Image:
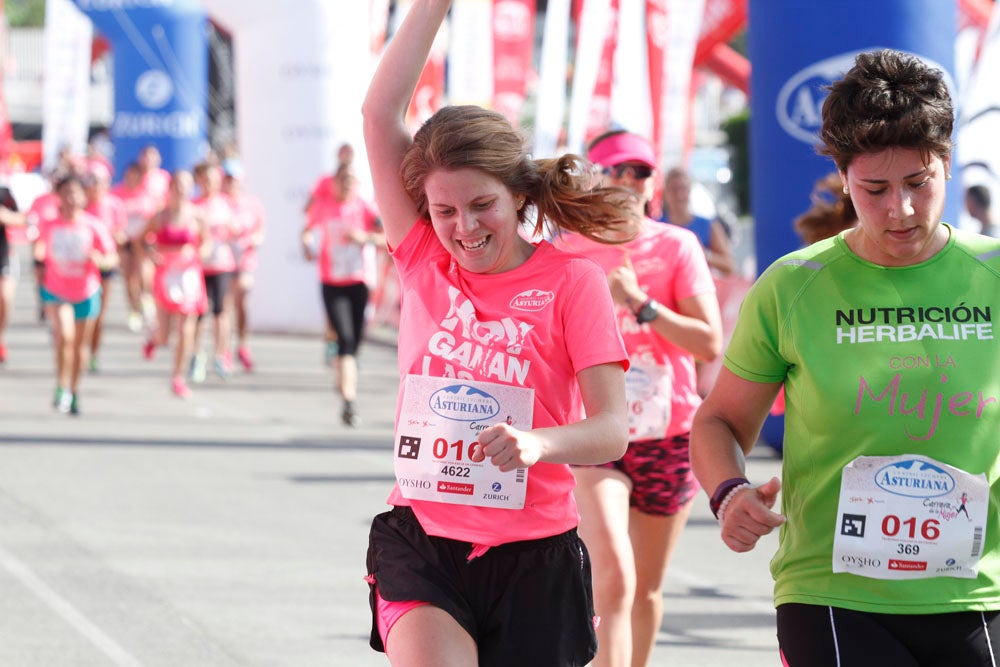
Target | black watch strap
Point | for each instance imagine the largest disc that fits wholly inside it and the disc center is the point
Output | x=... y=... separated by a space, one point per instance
x=647 y=312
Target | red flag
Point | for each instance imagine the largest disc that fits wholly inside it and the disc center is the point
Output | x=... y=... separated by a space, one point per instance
x=720 y=21
x=513 y=41
x=656 y=46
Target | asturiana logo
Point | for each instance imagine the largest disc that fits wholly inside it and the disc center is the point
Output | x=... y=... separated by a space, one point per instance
x=915 y=479
x=800 y=100
x=460 y=402
x=532 y=300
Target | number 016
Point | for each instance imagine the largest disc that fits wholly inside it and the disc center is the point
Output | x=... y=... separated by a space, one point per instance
x=892 y=525
x=472 y=452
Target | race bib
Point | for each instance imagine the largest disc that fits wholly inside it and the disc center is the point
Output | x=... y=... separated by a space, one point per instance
x=182 y=284
x=909 y=517
x=648 y=391
x=438 y=456
x=346 y=261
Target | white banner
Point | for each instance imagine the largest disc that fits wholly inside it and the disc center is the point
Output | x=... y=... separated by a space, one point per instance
x=594 y=20
x=470 y=53
x=551 y=104
x=683 y=28
x=630 y=106
x=66 y=88
x=301 y=77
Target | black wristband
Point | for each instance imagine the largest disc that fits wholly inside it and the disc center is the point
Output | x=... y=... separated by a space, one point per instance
x=722 y=491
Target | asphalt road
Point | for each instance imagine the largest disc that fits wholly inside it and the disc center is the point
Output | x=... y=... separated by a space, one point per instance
x=230 y=528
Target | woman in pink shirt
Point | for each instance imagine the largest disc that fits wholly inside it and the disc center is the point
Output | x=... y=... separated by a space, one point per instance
x=633 y=510
x=176 y=236
x=248 y=212
x=75 y=247
x=512 y=368
x=349 y=232
x=110 y=210
x=219 y=265
x=140 y=206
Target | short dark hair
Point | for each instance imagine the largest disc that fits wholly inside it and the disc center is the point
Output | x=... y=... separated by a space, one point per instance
x=980 y=194
x=888 y=99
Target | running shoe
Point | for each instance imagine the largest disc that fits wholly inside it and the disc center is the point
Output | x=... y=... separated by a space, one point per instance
x=135 y=321
x=64 y=400
x=223 y=366
x=147 y=306
x=3 y=353
x=148 y=349
x=94 y=366
x=243 y=353
x=180 y=387
x=198 y=370
x=349 y=416
x=57 y=397
x=331 y=351
x=74 y=406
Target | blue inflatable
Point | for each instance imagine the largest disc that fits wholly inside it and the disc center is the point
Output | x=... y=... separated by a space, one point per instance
x=796 y=49
x=160 y=77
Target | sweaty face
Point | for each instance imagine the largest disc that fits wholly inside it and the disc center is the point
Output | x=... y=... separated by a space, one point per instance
x=899 y=201
x=475 y=217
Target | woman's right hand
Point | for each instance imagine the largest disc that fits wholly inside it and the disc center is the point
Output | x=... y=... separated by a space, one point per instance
x=748 y=515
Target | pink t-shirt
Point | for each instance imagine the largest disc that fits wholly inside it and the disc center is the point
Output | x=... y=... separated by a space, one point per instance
x=69 y=272
x=156 y=183
x=535 y=326
x=248 y=212
x=670 y=265
x=110 y=210
x=43 y=210
x=324 y=189
x=140 y=206
x=217 y=212
x=341 y=260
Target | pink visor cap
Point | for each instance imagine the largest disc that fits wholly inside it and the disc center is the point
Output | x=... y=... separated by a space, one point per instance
x=623 y=147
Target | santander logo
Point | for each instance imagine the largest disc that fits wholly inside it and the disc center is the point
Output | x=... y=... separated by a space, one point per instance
x=532 y=300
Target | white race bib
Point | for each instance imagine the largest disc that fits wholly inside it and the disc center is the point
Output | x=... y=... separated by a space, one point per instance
x=438 y=456
x=909 y=517
x=648 y=392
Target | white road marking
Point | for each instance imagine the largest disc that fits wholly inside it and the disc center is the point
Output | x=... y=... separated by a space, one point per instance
x=109 y=647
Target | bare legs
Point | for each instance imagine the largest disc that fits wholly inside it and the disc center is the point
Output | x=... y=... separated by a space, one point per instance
x=429 y=637
x=629 y=552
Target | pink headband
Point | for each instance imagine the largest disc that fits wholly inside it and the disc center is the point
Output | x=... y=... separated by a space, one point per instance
x=624 y=147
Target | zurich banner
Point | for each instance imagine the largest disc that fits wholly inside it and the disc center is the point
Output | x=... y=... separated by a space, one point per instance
x=160 y=77
x=796 y=49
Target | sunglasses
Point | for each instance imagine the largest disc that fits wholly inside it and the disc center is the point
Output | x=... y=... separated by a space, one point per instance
x=637 y=172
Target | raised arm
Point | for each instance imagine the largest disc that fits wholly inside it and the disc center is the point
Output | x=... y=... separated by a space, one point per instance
x=384 y=112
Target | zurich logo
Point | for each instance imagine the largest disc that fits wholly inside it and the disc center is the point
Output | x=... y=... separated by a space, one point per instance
x=496 y=486
x=154 y=88
x=460 y=402
x=800 y=100
x=915 y=478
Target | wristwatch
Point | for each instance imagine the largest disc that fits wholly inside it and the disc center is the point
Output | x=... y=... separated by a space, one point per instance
x=647 y=312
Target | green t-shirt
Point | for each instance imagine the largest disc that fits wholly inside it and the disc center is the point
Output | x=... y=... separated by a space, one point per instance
x=877 y=361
